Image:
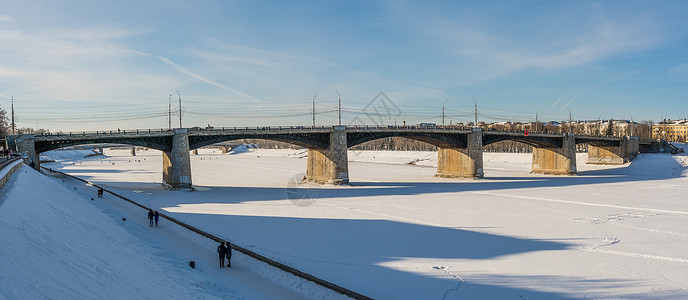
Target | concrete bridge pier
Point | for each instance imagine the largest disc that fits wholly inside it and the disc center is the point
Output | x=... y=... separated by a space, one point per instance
x=26 y=145
x=176 y=164
x=462 y=162
x=627 y=150
x=556 y=161
x=330 y=165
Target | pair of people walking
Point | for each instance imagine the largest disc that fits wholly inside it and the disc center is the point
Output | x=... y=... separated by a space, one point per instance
x=100 y=192
x=153 y=216
x=225 y=251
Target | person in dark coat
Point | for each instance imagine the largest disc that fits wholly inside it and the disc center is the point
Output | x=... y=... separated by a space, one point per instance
x=150 y=218
x=100 y=192
x=156 y=215
x=229 y=255
x=222 y=251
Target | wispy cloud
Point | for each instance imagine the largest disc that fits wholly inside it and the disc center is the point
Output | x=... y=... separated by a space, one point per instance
x=554 y=104
x=188 y=72
x=481 y=48
x=60 y=65
x=679 y=68
x=574 y=96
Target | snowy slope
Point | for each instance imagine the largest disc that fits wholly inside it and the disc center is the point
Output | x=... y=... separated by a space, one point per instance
x=62 y=247
x=58 y=245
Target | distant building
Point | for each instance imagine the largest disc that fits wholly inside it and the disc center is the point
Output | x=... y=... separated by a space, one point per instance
x=671 y=130
x=620 y=128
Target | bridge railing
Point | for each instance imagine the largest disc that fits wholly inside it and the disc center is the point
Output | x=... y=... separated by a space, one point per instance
x=258 y=128
x=297 y=128
x=105 y=132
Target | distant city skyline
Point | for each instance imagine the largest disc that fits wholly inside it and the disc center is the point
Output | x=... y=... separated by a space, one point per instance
x=84 y=65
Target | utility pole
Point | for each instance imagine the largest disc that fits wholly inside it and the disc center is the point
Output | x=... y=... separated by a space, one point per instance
x=340 y=108
x=570 y=118
x=475 y=112
x=180 y=109
x=13 y=125
x=169 y=113
x=445 y=101
x=316 y=95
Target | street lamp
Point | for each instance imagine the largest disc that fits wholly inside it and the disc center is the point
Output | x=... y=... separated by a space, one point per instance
x=316 y=95
x=445 y=101
x=475 y=112
x=180 y=109
x=340 y=108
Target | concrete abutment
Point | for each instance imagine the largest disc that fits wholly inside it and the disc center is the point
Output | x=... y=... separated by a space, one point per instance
x=556 y=161
x=330 y=165
x=627 y=150
x=176 y=164
x=26 y=145
x=462 y=162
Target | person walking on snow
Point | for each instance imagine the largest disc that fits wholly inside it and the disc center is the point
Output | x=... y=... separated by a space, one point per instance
x=222 y=251
x=156 y=215
x=229 y=255
x=150 y=218
x=100 y=192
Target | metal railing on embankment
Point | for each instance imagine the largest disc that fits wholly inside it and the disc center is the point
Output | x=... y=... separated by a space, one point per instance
x=245 y=251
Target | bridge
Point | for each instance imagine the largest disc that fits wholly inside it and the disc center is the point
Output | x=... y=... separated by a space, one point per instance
x=460 y=150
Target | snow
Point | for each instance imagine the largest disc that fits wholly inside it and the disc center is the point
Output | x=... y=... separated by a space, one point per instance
x=400 y=233
x=59 y=244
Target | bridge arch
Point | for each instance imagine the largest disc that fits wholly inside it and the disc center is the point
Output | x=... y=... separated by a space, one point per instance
x=308 y=141
x=447 y=140
x=537 y=142
x=162 y=144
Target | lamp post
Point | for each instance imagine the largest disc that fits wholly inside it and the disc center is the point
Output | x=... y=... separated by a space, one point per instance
x=570 y=118
x=169 y=113
x=340 y=108
x=316 y=95
x=445 y=101
x=475 y=112
x=180 y=109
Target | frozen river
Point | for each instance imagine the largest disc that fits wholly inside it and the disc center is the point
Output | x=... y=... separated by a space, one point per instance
x=398 y=232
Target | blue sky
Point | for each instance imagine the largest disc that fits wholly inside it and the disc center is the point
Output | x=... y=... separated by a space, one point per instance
x=99 y=65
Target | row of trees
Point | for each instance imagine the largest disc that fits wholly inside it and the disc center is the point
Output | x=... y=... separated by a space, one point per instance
x=405 y=144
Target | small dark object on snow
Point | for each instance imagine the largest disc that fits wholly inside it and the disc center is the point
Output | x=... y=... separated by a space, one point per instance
x=192 y=264
x=91 y=199
x=75 y=188
x=124 y=219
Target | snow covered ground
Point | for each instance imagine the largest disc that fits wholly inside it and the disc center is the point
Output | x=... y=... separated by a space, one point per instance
x=398 y=232
x=57 y=243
